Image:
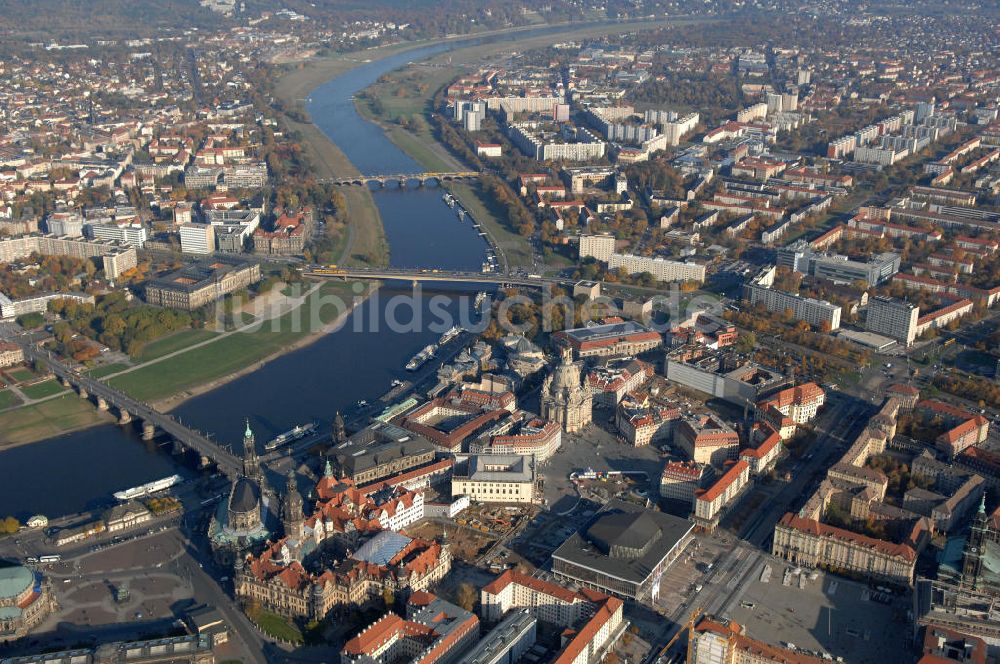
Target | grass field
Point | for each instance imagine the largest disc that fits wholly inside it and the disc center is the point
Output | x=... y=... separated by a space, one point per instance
x=418 y=146
x=8 y=399
x=44 y=389
x=488 y=213
x=21 y=374
x=174 y=342
x=277 y=627
x=227 y=355
x=106 y=370
x=368 y=245
x=49 y=418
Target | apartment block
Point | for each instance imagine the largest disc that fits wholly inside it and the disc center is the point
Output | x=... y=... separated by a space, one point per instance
x=895 y=319
x=813 y=311
x=662 y=269
x=597 y=246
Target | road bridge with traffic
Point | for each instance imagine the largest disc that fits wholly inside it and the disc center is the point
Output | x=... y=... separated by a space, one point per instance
x=129 y=409
x=430 y=275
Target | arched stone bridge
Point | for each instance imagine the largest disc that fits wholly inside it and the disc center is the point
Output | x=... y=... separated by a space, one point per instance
x=404 y=179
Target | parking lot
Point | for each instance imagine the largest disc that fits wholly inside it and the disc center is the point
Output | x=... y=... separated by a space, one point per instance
x=823 y=613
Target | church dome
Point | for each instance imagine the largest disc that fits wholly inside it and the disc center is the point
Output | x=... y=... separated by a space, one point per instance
x=245 y=496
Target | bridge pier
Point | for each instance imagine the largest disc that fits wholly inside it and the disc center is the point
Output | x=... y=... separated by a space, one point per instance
x=124 y=417
x=102 y=404
x=204 y=461
x=148 y=430
x=177 y=447
x=83 y=393
x=64 y=382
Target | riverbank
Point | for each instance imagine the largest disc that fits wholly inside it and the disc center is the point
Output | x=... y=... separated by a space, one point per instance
x=219 y=360
x=171 y=378
x=366 y=242
x=167 y=404
x=53 y=417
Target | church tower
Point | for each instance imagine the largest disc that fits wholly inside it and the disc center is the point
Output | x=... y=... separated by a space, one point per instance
x=974 y=548
x=291 y=510
x=251 y=462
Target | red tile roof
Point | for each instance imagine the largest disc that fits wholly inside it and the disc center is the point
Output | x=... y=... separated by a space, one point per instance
x=817 y=528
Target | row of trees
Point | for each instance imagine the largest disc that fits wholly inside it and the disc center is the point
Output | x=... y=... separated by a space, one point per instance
x=977 y=390
x=114 y=322
x=9 y=526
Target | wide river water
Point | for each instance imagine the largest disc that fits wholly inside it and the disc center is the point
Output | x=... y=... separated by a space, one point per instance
x=76 y=471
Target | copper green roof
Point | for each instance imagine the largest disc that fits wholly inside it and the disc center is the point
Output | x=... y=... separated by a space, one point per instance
x=15 y=580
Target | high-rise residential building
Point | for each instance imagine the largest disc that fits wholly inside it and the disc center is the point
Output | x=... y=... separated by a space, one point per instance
x=197 y=238
x=598 y=246
x=892 y=318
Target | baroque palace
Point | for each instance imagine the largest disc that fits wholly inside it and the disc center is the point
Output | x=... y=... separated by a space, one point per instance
x=349 y=550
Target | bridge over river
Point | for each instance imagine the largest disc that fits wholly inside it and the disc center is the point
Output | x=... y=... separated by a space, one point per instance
x=403 y=179
x=129 y=408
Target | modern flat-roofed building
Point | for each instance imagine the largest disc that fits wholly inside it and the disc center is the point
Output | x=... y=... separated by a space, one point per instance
x=507 y=642
x=115 y=257
x=622 y=551
x=721 y=373
x=494 y=478
x=892 y=318
x=194 y=286
x=37 y=303
x=813 y=311
x=194 y=649
x=132 y=233
x=197 y=238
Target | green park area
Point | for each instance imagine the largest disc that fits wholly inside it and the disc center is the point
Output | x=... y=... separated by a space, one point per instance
x=233 y=352
x=106 y=370
x=276 y=626
x=44 y=389
x=175 y=342
x=20 y=374
x=49 y=418
x=8 y=399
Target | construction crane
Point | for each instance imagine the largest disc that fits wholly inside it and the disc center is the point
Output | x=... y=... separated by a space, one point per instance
x=661 y=656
